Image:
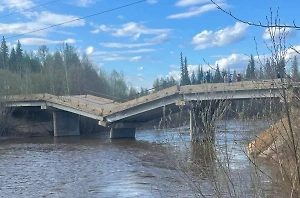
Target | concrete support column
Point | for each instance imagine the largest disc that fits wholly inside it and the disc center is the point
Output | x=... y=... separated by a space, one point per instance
x=65 y=124
x=201 y=126
x=116 y=133
x=196 y=126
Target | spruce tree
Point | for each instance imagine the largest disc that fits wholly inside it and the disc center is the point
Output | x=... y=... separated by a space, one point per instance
x=199 y=74
x=281 y=68
x=187 y=80
x=252 y=67
x=295 y=70
x=248 y=71
x=13 y=61
x=182 y=69
x=268 y=70
x=19 y=58
x=4 y=54
x=218 y=76
x=193 y=78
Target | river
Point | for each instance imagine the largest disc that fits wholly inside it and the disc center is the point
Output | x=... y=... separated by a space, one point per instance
x=95 y=166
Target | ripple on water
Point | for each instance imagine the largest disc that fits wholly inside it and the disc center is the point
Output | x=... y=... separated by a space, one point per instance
x=94 y=166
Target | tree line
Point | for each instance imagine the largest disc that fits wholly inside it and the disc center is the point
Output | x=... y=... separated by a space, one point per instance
x=270 y=69
x=63 y=72
x=66 y=72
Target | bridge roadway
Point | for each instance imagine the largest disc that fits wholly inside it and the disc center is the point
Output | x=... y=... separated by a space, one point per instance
x=122 y=117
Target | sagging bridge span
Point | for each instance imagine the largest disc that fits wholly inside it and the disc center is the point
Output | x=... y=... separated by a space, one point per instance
x=123 y=118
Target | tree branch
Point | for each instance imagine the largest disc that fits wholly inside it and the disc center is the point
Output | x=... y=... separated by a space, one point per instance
x=259 y=24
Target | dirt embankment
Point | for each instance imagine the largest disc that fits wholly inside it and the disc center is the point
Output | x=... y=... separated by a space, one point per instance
x=279 y=144
x=277 y=141
x=269 y=140
x=29 y=128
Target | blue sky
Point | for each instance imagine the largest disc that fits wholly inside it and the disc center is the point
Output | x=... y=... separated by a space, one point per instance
x=145 y=40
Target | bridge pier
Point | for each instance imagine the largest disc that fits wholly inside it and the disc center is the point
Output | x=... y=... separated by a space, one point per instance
x=65 y=124
x=201 y=124
x=116 y=133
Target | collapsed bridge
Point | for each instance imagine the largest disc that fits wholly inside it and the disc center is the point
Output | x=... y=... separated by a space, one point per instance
x=123 y=118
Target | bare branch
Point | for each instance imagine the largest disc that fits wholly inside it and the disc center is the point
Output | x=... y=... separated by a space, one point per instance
x=259 y=24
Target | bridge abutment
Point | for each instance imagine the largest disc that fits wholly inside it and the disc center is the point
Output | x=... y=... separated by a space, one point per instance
x=116 y=133
x=65 y=124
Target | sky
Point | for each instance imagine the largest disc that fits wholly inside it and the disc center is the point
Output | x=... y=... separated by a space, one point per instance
x=145 y=40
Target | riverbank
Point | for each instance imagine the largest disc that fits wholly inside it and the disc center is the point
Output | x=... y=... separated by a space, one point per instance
x=279 y=145
x=26 y=128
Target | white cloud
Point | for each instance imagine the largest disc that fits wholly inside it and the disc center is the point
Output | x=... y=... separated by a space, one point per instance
x=223 y=37
x=140 y=68
x=135 y=58
x=84 y=3
x=18 y=4
x=288 y=32
x=158 y=39
x=234 y=61
x=128 y=30
x=41 y=41
x=174 y=74
x=125 y=45
x=89 y=50
x=171 y=52
x=174 y=66
x=152 y=1
x=193 y=68
x=98 y=66
x=291 y=53
x=2 y=8
x=122 y=58
x=121 y=17
x=48 y=18
x=142 y=50
x=136 y=37
x=183 y=3
x=195 y=11
x=42 y=20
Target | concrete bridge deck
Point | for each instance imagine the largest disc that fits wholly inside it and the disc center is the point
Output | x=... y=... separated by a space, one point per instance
x=142 y=109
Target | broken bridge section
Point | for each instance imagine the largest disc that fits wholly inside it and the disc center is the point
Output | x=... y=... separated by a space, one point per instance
x=124 y=118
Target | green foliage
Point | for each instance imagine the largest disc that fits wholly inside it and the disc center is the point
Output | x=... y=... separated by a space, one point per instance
x=218 y=77
x=199 y=74
x=4 y=55
x=164 y=83
x=58 y=73
x=193 y=78
x=185 y=79
x=281 y=67
x=250 y=71
x=268 y=69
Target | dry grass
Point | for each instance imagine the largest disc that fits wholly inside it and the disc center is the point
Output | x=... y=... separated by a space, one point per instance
x=267 y=138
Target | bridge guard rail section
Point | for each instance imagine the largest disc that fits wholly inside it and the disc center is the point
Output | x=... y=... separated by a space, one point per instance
x=46 y=101
x=144 y=104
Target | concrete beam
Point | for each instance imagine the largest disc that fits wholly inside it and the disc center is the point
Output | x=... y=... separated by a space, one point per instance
x=118 y=133
x=73 y=110
x=121 y=124
x=65 y=124
x=139 y=109
x=25 y=104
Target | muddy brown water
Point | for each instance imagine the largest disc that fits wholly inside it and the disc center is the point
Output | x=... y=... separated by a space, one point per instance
x=95 y=166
